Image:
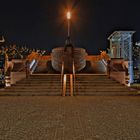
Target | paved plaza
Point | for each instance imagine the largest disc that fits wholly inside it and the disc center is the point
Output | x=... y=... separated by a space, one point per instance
x=70 y=118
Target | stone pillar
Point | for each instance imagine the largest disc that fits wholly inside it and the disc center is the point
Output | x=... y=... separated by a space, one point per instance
x=122 y=48
x=131 y=72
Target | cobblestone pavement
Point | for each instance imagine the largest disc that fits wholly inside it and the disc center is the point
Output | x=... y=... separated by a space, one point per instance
x=70 y=118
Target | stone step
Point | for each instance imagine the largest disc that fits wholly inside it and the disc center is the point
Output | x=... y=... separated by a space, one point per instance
x=91 y=78
x=106 y=93
x=95 y=81
x=45 y=77
x=97 y=84
x=77 y=83
x=38 y=82
x=57 y=89
x=27 y=93
x=100 y=87
x=31 y=90
x=90 y=75
x=41 y=79
x=36 y=85
x=96 y=90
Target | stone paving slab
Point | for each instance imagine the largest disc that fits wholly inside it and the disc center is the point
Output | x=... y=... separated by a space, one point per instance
x=70 y=118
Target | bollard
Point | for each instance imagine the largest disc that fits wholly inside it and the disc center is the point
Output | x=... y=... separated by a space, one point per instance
x=7 y=81
x=71 y=85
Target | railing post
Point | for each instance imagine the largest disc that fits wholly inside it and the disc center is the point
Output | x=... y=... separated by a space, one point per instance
x=64 y=85
x=71 y=85
x=74 y=77
x=62 y=72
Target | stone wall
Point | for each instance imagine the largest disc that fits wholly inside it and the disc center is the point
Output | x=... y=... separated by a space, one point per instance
x=119 y=77
x=59 y=55
x=17 y=76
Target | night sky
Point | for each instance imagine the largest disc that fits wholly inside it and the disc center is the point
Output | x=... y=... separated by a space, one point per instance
x=42 y=23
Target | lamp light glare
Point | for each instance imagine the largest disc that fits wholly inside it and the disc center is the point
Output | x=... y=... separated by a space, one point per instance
x=68 y=15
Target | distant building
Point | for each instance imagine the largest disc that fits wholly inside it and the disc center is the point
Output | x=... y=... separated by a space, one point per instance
x=136 y=55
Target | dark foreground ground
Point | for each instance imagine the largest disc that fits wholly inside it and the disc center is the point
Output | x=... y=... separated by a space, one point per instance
x=70 y=118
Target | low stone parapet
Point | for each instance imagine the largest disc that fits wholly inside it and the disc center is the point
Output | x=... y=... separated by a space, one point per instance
x=17 y=76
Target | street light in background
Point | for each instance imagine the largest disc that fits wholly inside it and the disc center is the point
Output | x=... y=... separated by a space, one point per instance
x=68 y=15
x=69 y=20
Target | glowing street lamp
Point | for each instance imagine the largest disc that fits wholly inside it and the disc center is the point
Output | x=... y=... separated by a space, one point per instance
x=68 y=15
x=68 y=18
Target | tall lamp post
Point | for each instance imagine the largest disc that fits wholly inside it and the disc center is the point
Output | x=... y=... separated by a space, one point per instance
x=69 y=21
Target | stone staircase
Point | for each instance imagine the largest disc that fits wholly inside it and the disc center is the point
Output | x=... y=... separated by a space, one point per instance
x=36 y=85
x=100 y=85
x=50 y=85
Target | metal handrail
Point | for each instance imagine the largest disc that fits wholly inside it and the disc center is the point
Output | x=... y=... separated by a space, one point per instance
x=33 y=65
x=30 y=67
x=62 y=80
x=62 y=72
x=74 y=76
x=104 y=62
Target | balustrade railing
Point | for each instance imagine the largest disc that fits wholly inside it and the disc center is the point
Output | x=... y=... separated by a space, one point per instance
x=64 y=80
